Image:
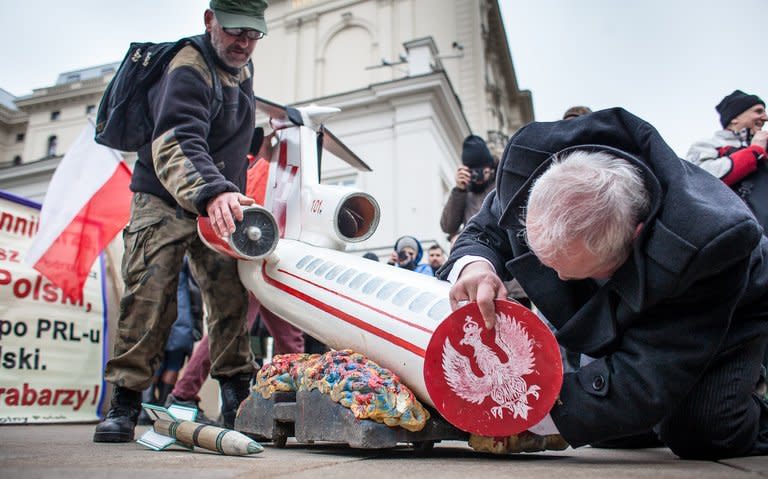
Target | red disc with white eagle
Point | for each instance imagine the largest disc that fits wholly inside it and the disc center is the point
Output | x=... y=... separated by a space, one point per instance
x=493 y=382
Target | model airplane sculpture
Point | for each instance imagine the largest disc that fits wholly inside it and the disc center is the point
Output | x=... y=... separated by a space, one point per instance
x=296 y=267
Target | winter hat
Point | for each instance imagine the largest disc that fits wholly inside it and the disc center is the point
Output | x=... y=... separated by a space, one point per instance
x=404 y=241
x=475 y=153
x=241 y=13
x=735 y=104
x=371 y=256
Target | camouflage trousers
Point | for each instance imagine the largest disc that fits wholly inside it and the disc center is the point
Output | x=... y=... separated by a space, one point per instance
x=156 y=239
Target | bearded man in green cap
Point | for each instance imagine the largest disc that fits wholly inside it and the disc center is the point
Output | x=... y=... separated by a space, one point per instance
x=194 y=165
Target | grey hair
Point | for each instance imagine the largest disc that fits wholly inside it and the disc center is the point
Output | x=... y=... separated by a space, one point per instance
x=592 y=197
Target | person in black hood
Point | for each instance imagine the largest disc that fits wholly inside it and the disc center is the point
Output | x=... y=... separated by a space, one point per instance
x=407 y=254
x=474 y=180
x=644 y=262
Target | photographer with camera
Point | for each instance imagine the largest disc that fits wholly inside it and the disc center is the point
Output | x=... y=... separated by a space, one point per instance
x=474 y=180
x=407 y=254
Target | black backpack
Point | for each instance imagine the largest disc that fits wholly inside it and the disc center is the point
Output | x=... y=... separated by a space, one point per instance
x=123 y=121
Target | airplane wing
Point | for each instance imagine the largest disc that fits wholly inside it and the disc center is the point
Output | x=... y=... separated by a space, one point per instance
x=335 y=146
x=330 y=142
x=272 y=110
x=279 y=112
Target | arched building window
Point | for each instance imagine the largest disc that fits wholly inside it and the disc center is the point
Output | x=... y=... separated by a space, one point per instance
x=52 y=143
x=16 y=160
x=343 y=54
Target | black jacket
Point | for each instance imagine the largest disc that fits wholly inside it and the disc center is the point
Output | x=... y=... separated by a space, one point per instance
x=695 y=283
x=193 y=157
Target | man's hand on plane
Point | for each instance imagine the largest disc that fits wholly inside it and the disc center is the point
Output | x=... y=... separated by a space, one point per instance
x=224 y=209
x=478 y=282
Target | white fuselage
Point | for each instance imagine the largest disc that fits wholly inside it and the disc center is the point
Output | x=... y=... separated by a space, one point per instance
x=346 y=301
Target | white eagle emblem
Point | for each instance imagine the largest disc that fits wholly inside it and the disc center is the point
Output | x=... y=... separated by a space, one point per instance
x=503 y=382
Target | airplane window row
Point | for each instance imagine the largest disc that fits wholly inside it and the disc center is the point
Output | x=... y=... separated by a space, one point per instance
x=400 y=294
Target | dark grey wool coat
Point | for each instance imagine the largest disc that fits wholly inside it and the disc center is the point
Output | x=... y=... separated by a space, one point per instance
x=695 y=284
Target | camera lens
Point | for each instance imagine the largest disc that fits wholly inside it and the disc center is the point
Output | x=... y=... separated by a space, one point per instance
x=402 y=255
x=476 y=175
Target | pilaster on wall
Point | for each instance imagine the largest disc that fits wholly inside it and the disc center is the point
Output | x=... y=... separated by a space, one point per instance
x=470 y=79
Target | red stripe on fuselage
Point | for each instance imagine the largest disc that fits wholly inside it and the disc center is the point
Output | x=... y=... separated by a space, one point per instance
x=349 y=298
x=346 y=317
x=284 y=179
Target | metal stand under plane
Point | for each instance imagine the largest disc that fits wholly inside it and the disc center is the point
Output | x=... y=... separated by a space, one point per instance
x=311 y=416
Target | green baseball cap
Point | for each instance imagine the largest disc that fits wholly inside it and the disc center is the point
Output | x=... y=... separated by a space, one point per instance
x=240 y=13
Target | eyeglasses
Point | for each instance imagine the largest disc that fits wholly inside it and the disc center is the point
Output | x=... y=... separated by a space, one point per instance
x=249 y=33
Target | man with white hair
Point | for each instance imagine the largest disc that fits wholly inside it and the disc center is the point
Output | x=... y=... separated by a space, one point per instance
x=642 y=261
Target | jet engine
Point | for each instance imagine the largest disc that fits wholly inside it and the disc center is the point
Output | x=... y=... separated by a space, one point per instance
x=350 y=215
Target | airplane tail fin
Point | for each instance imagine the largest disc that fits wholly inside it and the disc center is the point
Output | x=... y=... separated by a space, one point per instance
x=305 y=210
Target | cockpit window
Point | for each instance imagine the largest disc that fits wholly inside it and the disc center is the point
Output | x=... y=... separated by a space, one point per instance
x=421 y=302
x=303 y=261
x=359 y=280
x=440 y=310
x=344 y=278
x=334 y=272
x=325 y=267
x=388 y=289
x=372 y=285
x=314 y=264
x=404 y=295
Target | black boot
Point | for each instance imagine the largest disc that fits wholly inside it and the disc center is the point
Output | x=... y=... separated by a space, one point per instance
x=121 y=419
x=234 y=390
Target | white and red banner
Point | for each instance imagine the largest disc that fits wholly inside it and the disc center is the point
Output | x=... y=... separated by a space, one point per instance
x=86 y=205
x=51 y=347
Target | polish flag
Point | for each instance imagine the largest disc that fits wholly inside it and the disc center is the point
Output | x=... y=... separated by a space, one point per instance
x=86 y=205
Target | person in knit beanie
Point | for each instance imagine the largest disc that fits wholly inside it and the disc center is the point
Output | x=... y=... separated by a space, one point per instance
x=739 y=110
x=737 y=153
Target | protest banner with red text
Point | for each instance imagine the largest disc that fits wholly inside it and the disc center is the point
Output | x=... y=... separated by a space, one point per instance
x=51 y=347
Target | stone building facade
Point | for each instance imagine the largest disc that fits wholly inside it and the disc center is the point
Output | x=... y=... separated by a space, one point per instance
x=412 y=77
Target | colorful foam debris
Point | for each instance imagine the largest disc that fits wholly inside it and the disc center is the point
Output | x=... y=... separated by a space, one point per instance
x=350 y=379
